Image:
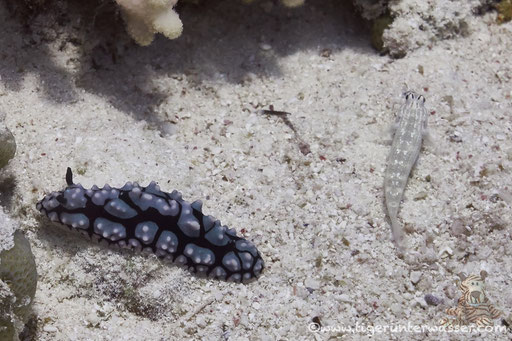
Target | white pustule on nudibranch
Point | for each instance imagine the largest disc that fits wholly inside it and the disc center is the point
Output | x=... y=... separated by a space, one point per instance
x=145 y=218
x=410 y=128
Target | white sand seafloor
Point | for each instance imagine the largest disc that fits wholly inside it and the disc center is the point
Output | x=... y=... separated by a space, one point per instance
x=184 y=113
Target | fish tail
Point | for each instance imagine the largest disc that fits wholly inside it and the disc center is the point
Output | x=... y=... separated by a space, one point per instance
x=397 y=232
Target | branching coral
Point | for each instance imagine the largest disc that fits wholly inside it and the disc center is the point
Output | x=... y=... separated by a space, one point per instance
x=144 y=18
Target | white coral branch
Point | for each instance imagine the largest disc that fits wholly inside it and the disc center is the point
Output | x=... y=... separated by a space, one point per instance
x=144 y=18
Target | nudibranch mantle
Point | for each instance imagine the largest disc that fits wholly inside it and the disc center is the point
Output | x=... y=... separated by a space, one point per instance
x=148 y=219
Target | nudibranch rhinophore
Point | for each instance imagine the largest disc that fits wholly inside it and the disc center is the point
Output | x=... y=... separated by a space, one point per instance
x=147 y=219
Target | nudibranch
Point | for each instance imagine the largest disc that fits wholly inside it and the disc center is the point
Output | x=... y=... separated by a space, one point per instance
x=148 y=219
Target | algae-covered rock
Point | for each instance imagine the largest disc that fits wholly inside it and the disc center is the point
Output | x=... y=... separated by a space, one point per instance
x=371 y=9
x=379 y=25
x=18 y=279
x=504 y=8
x=7 y=302
x=7 y=145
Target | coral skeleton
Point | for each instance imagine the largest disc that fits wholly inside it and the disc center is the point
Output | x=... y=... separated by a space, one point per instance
x=144 y=18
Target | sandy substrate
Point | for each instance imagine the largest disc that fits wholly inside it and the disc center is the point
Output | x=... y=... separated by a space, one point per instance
x=185 y=114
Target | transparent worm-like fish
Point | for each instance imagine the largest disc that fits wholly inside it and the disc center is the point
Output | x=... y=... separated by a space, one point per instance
x=410 y=129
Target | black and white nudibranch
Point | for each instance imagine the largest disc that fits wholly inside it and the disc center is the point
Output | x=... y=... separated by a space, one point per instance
x=145 y=218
